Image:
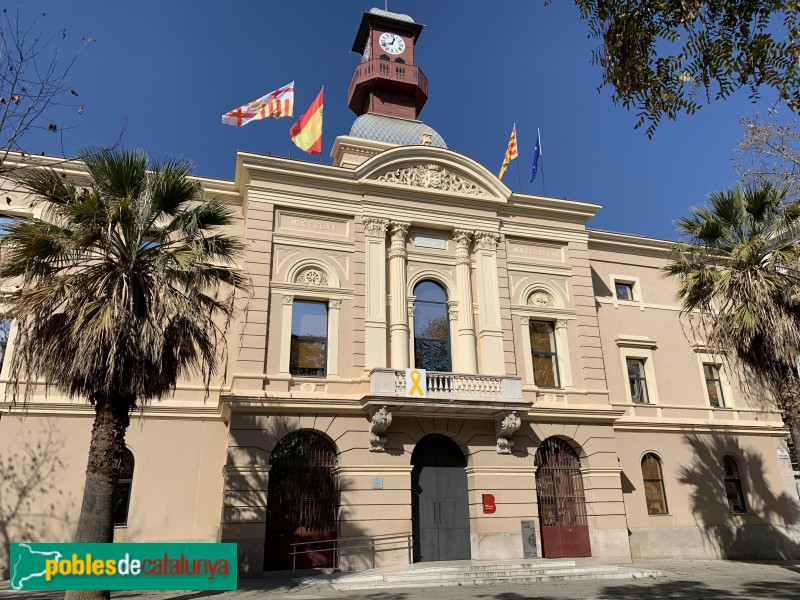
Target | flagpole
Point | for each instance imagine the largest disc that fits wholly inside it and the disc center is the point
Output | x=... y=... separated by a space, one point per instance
x=519 y=179
x=541 y=157
x=322 y=91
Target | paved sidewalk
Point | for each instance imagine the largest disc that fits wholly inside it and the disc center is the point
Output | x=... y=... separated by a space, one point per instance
x=682 y=580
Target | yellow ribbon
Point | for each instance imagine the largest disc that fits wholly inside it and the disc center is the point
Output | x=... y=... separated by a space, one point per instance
x=416 y=377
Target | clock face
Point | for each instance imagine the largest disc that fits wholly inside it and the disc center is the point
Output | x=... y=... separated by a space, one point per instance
x=392 y=43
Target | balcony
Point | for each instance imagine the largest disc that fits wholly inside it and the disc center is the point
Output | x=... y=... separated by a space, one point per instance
x=448 y=392
x=391 y=76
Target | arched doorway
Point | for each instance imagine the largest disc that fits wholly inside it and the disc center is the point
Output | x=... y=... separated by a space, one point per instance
x=439 y=503
x=562 y=505
x=301 y=500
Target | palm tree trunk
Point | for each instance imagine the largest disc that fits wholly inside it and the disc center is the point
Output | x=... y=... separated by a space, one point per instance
x=106 y=450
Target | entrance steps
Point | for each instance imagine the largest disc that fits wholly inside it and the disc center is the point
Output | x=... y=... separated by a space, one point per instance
x=471 y=572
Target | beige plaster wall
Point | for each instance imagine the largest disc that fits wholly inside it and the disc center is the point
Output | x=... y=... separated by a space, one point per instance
x=177 y=481
x=699 y=523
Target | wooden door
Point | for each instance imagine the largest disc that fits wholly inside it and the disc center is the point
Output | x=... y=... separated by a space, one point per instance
x=562 y=505
x=440 y=508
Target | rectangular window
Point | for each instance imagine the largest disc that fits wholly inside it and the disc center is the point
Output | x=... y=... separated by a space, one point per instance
x=309 y=348
x=545 y=356
x=713 y=385
x=637 y=380
x=624 y=290
x=5 y=330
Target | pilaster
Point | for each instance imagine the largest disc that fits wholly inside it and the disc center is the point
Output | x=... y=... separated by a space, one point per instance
x=286 y=334
x=375 y=275
x=490 y=333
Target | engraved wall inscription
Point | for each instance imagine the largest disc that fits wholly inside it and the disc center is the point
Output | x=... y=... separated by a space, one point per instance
x=535 y=251
x=305 y=224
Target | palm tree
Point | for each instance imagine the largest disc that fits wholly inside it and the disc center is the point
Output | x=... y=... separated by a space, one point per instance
x=127 y=285
x=739 y=281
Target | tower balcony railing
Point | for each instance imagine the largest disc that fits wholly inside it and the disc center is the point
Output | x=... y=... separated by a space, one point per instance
x=401 y=73
x=449 y=386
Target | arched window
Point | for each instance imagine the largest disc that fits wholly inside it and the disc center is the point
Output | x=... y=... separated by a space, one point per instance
x=122 y=493
x=733 y=485
x=654 y=485
x=431 y=327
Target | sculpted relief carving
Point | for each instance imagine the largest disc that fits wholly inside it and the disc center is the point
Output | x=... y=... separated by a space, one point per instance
x=435 y=177
x=312 y=276
x=540 y=299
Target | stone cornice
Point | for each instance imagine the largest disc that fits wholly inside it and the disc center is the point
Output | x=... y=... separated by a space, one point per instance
x=629 y=243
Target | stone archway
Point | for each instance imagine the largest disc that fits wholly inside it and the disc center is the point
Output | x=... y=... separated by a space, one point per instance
x=562 y=505
x=302 y=500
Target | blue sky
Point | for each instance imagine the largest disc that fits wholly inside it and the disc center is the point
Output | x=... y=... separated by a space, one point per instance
x=170 y=69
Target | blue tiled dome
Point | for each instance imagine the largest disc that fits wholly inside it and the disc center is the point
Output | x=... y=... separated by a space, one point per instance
x=393 y=130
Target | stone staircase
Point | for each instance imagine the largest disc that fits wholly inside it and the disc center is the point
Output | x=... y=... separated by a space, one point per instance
x=467 y=572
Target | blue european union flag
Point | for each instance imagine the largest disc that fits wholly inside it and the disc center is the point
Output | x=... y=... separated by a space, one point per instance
x=537 y=151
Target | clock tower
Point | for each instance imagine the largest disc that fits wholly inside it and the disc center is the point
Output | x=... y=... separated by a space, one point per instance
x=387 y=82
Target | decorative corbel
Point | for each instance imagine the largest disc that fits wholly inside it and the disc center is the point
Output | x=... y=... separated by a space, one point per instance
x=379 y=421
x=505 y=426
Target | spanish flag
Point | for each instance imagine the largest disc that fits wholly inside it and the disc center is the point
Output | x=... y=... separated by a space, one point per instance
x=511 y=151
x=307 y=132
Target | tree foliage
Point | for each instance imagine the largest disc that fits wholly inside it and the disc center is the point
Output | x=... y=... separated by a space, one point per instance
x=35 y=92
x=739 y=281
x=770 y=153
x=125 y=284
x=669 y=57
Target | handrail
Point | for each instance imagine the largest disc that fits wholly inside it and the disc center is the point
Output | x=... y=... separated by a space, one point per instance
x=375 y=540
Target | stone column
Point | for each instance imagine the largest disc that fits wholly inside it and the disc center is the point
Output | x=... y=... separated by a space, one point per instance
x=375 y=292
x=490 y=333
x=466 y=350
x=398 y=317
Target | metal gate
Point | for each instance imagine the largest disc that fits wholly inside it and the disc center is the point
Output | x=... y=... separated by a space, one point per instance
x=562 y=505
x=301 y=500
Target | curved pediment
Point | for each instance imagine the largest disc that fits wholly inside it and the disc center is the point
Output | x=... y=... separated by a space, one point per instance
x=435 y=169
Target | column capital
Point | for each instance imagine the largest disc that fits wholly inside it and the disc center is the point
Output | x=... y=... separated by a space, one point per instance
x=486 y=240
x=525 y=320
x=561 y=324
x=335 y=303
x=462 y=238
x=398 y=232
x=288 y=299
x=375 y=227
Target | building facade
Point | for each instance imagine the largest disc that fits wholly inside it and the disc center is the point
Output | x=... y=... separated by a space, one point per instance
x=569 y=411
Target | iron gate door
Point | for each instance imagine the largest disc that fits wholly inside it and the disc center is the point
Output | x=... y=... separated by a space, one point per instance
x=301 y=501
x=439 y=504
x=562 y=505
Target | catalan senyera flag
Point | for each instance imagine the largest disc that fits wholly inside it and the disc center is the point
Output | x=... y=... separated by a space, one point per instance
x=307 y=132
x=275 y=105
x=511 y=151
